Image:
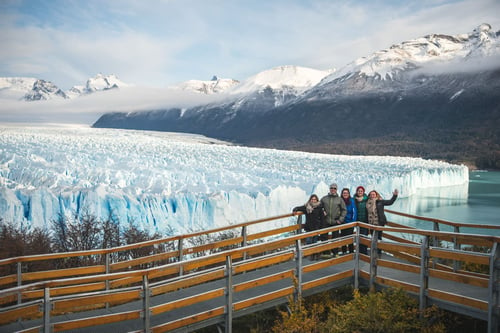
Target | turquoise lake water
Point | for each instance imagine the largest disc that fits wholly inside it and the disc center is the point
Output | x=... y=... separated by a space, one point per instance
x=477 y=203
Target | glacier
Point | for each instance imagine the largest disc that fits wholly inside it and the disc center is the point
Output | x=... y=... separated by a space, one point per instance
x=176 y=183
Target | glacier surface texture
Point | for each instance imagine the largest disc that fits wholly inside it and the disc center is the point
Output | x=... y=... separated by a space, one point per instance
x=176 y=183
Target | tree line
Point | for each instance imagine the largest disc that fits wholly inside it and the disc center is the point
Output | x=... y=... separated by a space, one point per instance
x=68 y=234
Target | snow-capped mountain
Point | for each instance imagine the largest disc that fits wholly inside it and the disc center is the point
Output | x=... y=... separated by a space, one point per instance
x=291 y=80
x=98 y=83
x=432 y=50
x=437 y=85
x=32 y=89
x=15 y=87
x=176 y=182
x=44 y=90
x=29 y=89
x=214 y=86
x=257 y=94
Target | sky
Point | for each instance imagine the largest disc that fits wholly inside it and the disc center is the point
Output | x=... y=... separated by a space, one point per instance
x=164 y=42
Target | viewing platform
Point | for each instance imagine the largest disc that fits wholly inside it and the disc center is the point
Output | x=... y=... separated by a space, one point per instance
x=174 y=285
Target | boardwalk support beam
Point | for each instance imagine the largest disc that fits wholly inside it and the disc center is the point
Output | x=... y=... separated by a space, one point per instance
x=46 y=310
x=298 y=270
x=146 y=303
x=19 y=280
x=373 y=259
x=424 y=273
x=244 y=242
x=356 y=258
x=229 y=295
x=456 y=245
x=181 y=254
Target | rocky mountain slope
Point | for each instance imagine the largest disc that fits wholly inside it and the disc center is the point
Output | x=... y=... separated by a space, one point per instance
x=436 y=96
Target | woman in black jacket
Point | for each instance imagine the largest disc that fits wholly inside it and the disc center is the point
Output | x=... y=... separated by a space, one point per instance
x=375 y=209
x=315 y=216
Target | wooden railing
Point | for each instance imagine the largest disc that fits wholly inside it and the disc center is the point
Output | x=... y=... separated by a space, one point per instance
x=27 y=295
x=171 y=249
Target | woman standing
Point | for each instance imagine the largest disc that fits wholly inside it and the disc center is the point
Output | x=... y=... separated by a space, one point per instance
x=351 y=216
x=315 y=216
x=360 y=199
x=375 y=209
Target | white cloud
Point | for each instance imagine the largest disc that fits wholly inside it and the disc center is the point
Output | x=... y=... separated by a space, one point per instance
x=87 y=109
x=164 y=42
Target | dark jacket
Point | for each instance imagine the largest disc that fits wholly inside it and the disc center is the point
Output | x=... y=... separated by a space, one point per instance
x=361 y=207
x=315 y=219
x=382 y=220
x=335 y=209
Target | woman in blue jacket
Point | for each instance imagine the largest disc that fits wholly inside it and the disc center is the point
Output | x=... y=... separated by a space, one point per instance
x=351 y=216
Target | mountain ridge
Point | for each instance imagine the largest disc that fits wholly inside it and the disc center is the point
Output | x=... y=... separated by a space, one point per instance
x=437 y=84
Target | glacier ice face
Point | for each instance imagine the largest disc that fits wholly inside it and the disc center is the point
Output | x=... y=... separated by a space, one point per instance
x=173 y=183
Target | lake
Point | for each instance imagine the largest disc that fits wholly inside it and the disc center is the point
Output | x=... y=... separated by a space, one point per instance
x=477 y=203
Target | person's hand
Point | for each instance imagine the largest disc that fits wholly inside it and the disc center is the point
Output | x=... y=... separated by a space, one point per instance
x=338 y=222
x=396 y=192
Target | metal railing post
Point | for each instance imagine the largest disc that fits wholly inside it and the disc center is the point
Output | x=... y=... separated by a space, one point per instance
x=244 y=242
x=146 y=304
x=356 y=257
x=229 y=295
x=180 y=247
x=298 y=270
x=46 y=310
x=19 y=281
x=299 y=223
x=494 y=290
x=373 y=259
x=435 y=243
x=107 y=260
x=456 y=246
x=424 y=273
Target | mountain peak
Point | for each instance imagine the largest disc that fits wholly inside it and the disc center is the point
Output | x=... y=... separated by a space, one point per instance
x=44 y=90
x=103 y=82
x=215 y=86
x=282 y=77
x=482 y=28
x=386 y=64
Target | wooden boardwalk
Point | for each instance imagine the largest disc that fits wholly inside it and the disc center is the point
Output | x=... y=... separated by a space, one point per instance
x=216 y=288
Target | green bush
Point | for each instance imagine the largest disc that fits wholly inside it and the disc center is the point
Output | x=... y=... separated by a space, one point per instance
x=389 y=311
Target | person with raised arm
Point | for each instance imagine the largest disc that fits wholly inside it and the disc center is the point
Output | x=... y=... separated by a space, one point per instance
x=375 y=209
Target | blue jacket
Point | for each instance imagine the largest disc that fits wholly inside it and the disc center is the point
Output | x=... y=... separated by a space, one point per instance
x=352 y=212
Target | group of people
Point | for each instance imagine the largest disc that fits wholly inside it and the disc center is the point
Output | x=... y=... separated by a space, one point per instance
x=333 y=210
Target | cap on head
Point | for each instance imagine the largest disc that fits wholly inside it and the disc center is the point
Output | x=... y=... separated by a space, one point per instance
x=333 y=185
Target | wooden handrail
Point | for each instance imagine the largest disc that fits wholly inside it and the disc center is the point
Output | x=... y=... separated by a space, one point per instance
x=252 y=249
x=61 y=255
x=453 y=224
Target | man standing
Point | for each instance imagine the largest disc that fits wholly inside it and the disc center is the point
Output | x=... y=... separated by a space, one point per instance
x=335 y=212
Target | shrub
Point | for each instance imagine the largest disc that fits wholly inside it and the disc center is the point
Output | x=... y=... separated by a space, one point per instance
x=388 y=311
